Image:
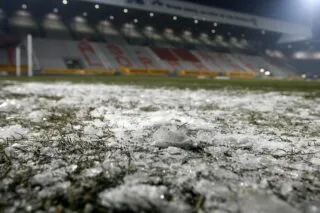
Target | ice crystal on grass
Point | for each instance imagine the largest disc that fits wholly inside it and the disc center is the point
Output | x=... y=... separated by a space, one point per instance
x=102 y=148
x=140 y=198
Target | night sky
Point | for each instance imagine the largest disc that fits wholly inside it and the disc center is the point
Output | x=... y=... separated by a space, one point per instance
x=290 y=10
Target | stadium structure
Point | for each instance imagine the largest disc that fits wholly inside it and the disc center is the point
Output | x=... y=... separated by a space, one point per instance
x=151 y=37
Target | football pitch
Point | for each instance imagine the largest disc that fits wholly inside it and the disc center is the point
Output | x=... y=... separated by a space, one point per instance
x=183 y=82
x=159 y=144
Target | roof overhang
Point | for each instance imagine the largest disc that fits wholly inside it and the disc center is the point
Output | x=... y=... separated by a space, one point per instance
x=195 y=11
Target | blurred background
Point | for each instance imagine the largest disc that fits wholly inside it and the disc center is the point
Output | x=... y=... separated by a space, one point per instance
x=245 y=39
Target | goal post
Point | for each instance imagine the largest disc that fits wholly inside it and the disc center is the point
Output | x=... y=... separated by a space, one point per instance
x=18 y=60
x=29 y=57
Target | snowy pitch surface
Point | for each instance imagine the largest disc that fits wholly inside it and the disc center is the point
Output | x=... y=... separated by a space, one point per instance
x=99 y=148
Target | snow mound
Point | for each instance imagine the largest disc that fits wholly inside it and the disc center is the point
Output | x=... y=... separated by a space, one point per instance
x=14 y=131
x=140 y=198
x=49 y=177
x=37 y=116
x=265 y=204
x=172 y=136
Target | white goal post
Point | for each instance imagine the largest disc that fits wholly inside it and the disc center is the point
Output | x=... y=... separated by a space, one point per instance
x=29 y=57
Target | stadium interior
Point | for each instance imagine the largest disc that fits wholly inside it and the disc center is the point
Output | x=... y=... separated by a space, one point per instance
x=101 y=38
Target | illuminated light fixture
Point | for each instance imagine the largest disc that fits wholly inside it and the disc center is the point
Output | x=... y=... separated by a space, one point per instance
x=215 y=24
x=97 y=6
x=300 y=55
x=151 y=14
x=263 y=32
x=105 y=22
x=262 y=70
x=24 y=6
x=204 y=35
x=135 y=20
x=125 y=10
x=220 y=37
x=22 y=13
x=267 y=73
x=85 y=14
x=149 y=28
x=304 y=76
x=65 y=2
x=187 y=33
x=111 y=17
x=55 y=10
x=79 y=19
x=168 y=30
x=52 y=16
x=213 y=31
x=175 y=18
x=316 y=55
x=196 y=21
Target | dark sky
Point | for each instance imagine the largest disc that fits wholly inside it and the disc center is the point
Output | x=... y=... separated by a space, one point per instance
x=290 y=10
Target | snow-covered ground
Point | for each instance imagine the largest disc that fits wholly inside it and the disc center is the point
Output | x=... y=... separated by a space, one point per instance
x=104 y=148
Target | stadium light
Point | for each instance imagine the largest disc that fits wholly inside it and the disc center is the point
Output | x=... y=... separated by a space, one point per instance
x=55 y=10
x=175 y=18
x=136 y=20
x=97 y=6
x=24 y=6
x=304 y=76
x=213 y=31
x=215 y=24
x=64 y=2
x=262 y=70
x=125 y=10
x=111 y=17
x=151 y=14
x=196 y=21
x=267 y=73
x=85 y=14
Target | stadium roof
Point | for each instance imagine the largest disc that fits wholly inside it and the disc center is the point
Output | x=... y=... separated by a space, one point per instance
x=229 y=23
x=192 y=10
x=298 y=11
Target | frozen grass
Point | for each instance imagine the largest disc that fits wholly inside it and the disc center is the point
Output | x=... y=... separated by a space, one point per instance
x=69 y=147
x=313 y=87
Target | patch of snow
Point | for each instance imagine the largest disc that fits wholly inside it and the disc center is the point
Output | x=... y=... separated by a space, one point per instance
x=37 y=116
x=140 y=198
x=264 y=203
x=13 y=132
x=49 y=177
x=172 y=136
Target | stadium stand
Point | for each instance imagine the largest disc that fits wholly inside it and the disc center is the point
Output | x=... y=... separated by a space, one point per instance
x=110 y=33
x=78 y=42
x=54 y=28
x=22 y=23
x=82 y=30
